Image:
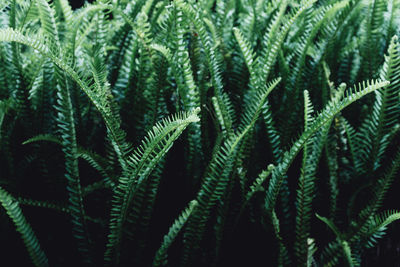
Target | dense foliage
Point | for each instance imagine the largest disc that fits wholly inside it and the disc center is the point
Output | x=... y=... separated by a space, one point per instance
x=198 y=133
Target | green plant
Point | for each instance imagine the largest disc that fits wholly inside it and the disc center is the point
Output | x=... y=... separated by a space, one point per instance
x=116 y=115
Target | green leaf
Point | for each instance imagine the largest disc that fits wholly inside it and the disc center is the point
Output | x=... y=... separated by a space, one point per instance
x=28 y=236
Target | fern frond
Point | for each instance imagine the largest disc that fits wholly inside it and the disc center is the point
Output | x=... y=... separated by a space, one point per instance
x=160 y=259
x=311 y=249
x=254 y=188
x=271 y=49
x=30 y=240
x=372 y=39
x=348 y=254
x=274 y=137
x=212 y=61
x=381 y=187
x=17 y=80
x=377 y=227
x=331 y=225
x=67 y=130
x=142 y=162
x=305 y=191
x=5 y=106
x=308 y=110
x=47 y=18
x=388 y=113
x=220 y=168
x=44 y=137
x=99 y=164
x=189 y=94
x=350 y=133
x=324 y=117
x=296 y=79
x=334 y=248
x=42 y=204
x=99 y=98
x=247 y=51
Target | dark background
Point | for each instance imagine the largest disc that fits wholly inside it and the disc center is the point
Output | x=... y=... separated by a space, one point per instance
x=78 y=3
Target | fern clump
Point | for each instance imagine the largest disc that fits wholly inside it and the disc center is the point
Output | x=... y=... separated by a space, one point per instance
x=277 y=121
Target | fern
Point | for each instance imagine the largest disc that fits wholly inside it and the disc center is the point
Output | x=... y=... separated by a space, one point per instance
x=30 y=240
x=385 y=113
x=378 y=226
x=161 y=255
x=324 y=117
x=142 y=162
x=86 y=97
x=223 y=102
x=215 y=183
x=98 y=97
x=67 y=130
